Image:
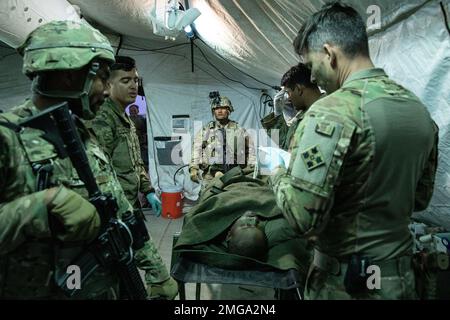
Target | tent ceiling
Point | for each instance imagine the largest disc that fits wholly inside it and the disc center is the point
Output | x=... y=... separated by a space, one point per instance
x=247 y=32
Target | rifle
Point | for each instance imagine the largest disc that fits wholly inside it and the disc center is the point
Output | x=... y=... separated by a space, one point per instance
x=225 y=165
x=113 y=248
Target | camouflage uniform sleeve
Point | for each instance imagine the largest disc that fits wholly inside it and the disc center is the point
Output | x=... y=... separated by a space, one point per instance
x=197 y=151
x=425 y=186
x=103 y=127
x=305 y=191
x=271 y=121
x=24 y=217
x=149 y=260
x=145 y=184
x=21 y=219
x=122 y=201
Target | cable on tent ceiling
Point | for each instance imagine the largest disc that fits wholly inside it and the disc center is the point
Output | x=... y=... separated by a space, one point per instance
x=264 y=101
x=223 y=82
x=201 y=68
x=218 y=70
x=6 y=47
x=248 y=75
x=445 y=17
x=134 y=48
x=166 y=53
x=119 y=46
x=7 y=55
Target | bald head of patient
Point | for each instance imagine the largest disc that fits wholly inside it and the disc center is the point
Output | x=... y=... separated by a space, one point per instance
x=247 y=238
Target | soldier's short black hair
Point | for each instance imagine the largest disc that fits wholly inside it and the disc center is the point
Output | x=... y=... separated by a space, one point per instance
x=123 y=63
x=336 y=24
x=299 y=74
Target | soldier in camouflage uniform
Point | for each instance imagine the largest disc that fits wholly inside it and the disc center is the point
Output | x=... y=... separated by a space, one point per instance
x=221 y=145
x=44 y=228
x=363 y=159
x=301 y=95
x=117 y=135
x=140 y=124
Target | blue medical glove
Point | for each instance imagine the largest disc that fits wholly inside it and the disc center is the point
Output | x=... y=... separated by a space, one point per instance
x=276 y=163
x=270 y=159
x=155 y=203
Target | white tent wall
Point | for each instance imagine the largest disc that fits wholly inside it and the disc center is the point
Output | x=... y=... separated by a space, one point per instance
x=172 y=89
x=415 y=53
x=14 y=86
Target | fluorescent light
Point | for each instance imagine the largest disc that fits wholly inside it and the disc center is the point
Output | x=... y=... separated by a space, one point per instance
x=189 y=31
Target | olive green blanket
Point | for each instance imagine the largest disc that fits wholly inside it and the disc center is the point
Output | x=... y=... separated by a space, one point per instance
x=223 y=202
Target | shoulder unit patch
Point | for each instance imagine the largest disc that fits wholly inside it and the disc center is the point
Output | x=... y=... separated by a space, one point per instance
x=312 y=157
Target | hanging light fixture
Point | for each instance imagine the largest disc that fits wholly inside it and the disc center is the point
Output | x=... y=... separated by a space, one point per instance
x=190 y=31
x=168 y=19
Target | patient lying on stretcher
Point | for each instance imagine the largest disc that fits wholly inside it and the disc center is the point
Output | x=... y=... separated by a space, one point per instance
x=247 y=237
x=237 y=225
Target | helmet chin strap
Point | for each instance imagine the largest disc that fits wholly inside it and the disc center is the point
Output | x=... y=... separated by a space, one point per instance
x=82 y=95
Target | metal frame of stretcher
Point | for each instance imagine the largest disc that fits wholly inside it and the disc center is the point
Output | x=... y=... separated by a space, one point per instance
x=285 y=283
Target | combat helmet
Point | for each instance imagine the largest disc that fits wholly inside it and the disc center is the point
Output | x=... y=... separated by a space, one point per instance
x=223 y=102
x=65 y=45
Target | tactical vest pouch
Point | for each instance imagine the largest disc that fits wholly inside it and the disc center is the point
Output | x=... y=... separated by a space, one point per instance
x=40 y=154
x=431 y=261
x=43 y=173
x=355 y=280
x=39 y=146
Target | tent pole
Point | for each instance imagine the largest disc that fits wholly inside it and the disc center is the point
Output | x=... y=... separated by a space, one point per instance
x=192 y=55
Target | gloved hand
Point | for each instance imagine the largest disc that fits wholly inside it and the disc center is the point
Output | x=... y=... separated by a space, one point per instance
x=269 y=159
x=279 y=100
x=155 y=203
x=72 y=218
x=194 y=175
x=218 y=174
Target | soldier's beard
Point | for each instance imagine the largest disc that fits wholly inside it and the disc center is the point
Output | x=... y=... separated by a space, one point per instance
x=223 y=121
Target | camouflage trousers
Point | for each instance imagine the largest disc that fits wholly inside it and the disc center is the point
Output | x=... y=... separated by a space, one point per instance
x=396 y=283
x=149 y=260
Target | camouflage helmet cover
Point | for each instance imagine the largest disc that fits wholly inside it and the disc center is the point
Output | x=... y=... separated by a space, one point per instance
x=224 y=102
x=63 y=45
